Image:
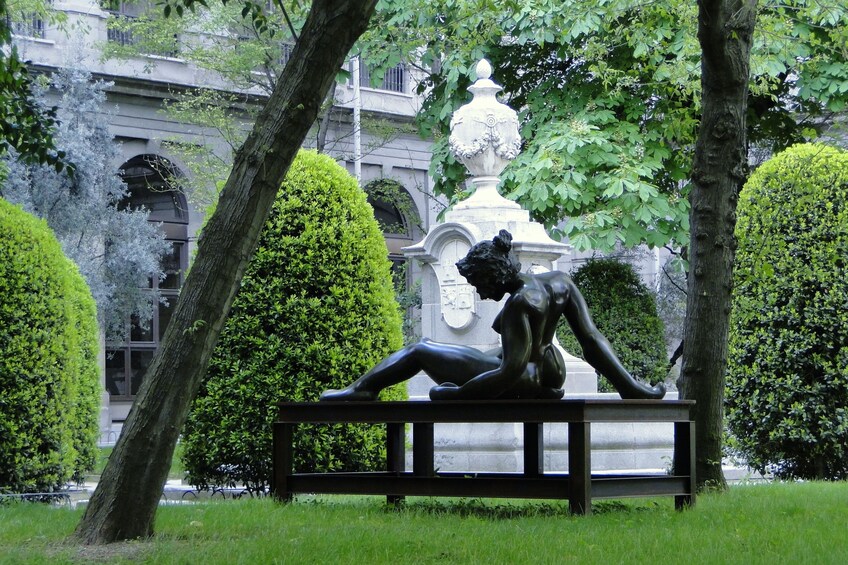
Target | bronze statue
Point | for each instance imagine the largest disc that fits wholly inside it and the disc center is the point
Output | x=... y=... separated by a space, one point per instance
x=527 y=365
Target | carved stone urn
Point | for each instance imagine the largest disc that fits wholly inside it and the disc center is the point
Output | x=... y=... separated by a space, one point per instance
x=484 y=137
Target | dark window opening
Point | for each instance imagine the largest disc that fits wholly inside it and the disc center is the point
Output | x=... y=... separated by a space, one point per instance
x=149 y=180
x=389 y=217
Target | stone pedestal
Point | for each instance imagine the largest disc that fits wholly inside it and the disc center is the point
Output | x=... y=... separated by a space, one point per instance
x=451 y=311
x=478 y=448
x=485 y=137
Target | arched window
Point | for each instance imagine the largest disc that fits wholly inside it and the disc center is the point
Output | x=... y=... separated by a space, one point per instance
x=388 y=215
x=150 y=181
x=397 y=215
x=395 y=211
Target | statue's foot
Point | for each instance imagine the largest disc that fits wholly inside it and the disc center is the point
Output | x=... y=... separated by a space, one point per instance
x=348 y=394
x=655 y=392
x=444 y=391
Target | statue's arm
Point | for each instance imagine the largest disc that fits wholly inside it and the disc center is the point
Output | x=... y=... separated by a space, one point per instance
x=597 y=351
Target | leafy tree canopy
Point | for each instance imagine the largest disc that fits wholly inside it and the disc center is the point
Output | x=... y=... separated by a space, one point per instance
x=609 y=98
x=247 y=45
x=26 y=126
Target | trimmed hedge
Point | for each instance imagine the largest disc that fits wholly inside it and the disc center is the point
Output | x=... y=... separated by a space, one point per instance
x=787 y=379
x=625 y=311
x=315 y=310
x=49 y=370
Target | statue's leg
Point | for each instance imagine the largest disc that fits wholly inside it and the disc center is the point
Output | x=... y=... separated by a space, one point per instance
x=440 y=361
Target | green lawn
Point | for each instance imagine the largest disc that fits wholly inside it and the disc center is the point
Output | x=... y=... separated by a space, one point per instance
x=773 y=524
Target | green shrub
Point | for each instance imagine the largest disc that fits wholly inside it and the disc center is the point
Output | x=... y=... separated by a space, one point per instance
x=85 y=402
x=314 y=311
x=49 y=375
x=787 y=380
x=625 y=311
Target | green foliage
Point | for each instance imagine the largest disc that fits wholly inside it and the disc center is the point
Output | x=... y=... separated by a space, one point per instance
x=49 y=371
x=26 y=126
x=314 y=311
x=246 y=56
x=257 y=41
x=625 y=311
x=787 y=380
x=608 y=95
x=205 y=111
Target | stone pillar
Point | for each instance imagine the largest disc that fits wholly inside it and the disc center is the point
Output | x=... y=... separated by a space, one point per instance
x=484 y=137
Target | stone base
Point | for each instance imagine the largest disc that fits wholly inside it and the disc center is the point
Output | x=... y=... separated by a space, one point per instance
x=479 y=448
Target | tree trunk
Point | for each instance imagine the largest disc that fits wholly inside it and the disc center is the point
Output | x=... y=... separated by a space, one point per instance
x=725 y=30
x=124 y=504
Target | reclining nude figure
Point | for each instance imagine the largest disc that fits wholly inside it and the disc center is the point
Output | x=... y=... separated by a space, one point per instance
x=527 y=365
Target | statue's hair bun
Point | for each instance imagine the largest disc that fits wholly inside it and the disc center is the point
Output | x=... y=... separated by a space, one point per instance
x=503 y=240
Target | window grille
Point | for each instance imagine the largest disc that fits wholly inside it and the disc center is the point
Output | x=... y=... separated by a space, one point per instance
x=31 y=26
x=394 y=80
x=122 y=37
x=125 y=37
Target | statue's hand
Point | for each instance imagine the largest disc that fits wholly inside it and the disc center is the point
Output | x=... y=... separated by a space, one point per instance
x=347 y=394
x=444 y=391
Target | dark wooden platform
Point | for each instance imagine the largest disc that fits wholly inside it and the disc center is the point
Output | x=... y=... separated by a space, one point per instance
x=578 y=485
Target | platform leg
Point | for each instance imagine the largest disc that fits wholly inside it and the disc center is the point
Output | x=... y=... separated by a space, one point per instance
x=534 y=449
x=422 y=449
x=283 y=461
x=579 y=468
x=684 y=461
x=395 y=454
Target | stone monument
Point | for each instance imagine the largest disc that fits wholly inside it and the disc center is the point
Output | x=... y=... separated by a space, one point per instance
x=485 y=138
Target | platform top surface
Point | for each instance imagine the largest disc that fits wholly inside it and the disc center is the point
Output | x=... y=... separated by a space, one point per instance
x=576 y=410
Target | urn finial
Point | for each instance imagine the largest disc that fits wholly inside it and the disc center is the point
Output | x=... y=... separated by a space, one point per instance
x=484 y=132
x=484 y=136
x=483 y=69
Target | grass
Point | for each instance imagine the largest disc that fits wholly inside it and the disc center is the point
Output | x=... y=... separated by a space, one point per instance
x=775 y=523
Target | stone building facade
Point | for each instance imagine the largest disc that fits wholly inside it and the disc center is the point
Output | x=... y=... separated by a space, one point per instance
x=140 y=88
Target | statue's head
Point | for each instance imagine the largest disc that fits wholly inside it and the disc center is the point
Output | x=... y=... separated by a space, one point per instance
x=491 y=266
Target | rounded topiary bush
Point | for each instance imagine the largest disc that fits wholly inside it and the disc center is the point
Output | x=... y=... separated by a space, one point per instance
x=49 y=376
x=787 y=379
x=625 y=311
x=315 y=310
x=85 y=400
